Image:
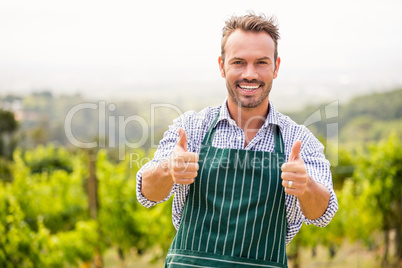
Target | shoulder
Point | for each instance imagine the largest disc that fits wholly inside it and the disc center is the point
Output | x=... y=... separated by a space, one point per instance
x=291 y=132
x=286 y=125
x=196 y=124
x=195 y=121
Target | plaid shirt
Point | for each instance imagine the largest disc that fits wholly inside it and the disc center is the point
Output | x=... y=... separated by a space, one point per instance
x=229 y=135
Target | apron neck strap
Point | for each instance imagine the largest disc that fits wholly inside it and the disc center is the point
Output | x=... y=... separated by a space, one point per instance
x=209 y=137
x=278 y=139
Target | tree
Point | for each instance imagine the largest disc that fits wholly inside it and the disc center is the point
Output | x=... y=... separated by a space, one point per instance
x=8 y=125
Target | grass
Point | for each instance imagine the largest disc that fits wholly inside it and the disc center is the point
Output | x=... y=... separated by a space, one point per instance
x=133 y=260
x=350 y=255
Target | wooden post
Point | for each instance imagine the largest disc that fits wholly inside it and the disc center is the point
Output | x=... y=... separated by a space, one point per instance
x=93 y=200
x=92 y=188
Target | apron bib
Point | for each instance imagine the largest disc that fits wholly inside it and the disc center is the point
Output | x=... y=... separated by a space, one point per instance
x=234 y=215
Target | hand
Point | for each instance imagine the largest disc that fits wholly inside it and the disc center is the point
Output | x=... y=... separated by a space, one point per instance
x=183 y=164
x=294 y=175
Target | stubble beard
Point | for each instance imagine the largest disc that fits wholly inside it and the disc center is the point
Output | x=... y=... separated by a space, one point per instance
x=251 y=104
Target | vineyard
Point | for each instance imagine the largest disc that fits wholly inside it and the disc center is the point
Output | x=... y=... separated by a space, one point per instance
x=46 y=220
x=45 y=214
x=69 y=207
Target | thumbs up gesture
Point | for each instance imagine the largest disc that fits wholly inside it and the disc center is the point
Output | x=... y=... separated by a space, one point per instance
x=183 y=165
x=294 y=175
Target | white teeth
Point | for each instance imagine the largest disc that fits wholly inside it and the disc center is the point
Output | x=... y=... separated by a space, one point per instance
x=249 y=88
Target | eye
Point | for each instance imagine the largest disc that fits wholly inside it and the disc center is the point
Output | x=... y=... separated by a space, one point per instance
x=262 y=62
x=237 y=62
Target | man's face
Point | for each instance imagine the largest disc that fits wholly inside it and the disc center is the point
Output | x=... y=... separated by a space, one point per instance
x=249 y=68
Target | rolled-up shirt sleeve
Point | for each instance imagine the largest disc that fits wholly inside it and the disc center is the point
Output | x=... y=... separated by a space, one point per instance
x=163 y=152
x=165 y=149
x=140 y=197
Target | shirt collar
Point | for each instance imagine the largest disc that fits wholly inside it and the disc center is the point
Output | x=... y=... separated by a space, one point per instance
x=272 y=117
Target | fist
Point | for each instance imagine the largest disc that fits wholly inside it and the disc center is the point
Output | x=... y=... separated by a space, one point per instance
x=183 y=164
x=294 y=174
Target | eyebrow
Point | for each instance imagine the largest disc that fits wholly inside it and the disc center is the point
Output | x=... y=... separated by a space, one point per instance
x=235 y=59
x=263 y=58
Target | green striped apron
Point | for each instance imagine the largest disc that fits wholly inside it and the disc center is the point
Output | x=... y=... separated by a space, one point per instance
x=234 y=215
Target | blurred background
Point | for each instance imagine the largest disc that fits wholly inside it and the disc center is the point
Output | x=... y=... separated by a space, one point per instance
x=87 y=89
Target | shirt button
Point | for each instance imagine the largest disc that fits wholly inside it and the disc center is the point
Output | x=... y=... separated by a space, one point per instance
x=239 y=138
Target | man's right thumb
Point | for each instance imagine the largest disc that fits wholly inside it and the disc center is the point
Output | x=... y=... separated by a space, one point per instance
x=182 y=142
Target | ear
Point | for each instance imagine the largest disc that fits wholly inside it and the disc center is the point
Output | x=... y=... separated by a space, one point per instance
x=277 y=64
x=221 y=66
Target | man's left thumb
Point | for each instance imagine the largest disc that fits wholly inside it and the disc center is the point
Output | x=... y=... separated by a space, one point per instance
x=294 y=154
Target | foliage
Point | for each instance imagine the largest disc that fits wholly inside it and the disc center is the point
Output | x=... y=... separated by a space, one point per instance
x=117 y=202
x=64 y=191
x=44 y=217
x=22 y=246
x=379 y=176
x=342 y=165
x=363 y=119
x=48 y=159
x=7 y=122
x=8 y=127
x=378 y=106
x=5 y=170
x=123 y=221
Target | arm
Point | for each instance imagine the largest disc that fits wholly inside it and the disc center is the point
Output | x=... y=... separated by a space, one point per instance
x=181 y=168
x=313 y=197
x=157 y=182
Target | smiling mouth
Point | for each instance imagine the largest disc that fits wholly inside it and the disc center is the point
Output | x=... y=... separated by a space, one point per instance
x=249 y=88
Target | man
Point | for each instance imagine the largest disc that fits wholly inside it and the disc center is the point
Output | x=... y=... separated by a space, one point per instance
x=244 y=176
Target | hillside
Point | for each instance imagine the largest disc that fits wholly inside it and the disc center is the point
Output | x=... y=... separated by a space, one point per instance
x=363 y=119
x=43 y=117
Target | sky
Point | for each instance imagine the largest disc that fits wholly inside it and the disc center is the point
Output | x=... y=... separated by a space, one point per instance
x=120 y=48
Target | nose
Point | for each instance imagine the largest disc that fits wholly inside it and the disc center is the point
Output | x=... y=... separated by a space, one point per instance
x=250 y=72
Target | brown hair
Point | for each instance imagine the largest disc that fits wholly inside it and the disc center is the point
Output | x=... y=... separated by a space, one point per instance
x=250 y=23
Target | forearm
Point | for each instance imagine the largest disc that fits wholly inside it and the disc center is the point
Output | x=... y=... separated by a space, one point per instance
x=315 y=200
x=157 y=182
